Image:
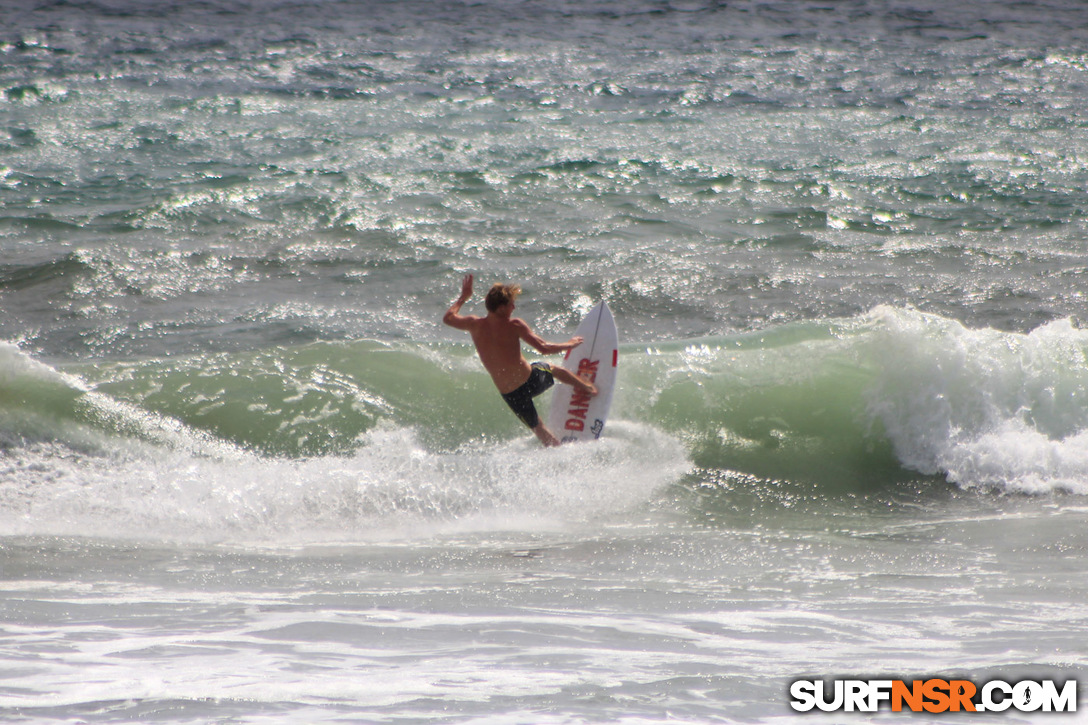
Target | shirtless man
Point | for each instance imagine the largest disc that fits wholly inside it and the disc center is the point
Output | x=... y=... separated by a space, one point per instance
x=497 y=338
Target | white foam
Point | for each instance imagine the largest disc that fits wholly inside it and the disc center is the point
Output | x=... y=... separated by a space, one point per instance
x=393 y=487
x=983 y=407
x=16 y=367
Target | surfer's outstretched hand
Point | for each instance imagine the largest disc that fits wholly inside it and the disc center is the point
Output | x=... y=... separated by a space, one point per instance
x=466 y=287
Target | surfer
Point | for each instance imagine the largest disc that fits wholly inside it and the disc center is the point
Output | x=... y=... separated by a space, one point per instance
x=497 y=338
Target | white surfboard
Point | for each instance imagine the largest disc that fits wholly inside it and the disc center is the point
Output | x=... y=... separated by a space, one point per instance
x=575 y=416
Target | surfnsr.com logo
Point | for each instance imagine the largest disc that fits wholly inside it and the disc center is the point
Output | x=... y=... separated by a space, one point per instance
x=933 y=695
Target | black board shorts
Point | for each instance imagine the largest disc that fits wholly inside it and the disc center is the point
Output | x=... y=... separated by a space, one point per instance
x=521 y=400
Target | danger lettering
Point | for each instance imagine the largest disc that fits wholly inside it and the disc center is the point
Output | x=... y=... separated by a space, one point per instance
x=579 y=400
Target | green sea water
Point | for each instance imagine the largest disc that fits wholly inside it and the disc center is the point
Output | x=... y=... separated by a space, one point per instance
x=247 y=476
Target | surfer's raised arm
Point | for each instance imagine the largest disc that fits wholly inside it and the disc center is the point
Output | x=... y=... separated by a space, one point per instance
x=453 y=316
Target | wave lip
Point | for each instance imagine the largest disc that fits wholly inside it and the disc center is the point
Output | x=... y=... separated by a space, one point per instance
x=875 y=400
x=982 y=407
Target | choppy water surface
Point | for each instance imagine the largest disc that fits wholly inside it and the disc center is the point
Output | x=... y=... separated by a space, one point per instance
x=246 y=475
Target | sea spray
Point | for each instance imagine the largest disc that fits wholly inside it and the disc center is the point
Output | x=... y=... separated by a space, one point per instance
x=392 y=487
x=980 y=406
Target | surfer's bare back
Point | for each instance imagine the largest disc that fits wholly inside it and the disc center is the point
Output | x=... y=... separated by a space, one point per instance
x=498 y=343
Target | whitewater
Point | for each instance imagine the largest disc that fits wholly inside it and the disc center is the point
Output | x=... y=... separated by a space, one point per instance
x=247 y=476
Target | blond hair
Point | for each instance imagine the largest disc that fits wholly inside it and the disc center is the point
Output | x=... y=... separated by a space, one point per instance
x=501 y=294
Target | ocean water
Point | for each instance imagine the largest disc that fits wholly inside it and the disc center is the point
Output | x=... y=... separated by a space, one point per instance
x=246 y=476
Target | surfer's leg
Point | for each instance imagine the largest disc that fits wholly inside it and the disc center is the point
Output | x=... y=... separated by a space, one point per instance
x=546 y=436
x=566 y=376
x=521 y=402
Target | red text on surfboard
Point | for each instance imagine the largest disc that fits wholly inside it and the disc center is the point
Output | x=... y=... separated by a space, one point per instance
x=579 y=400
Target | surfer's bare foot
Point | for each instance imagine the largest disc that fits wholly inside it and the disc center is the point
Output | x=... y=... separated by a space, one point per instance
x=546 y=436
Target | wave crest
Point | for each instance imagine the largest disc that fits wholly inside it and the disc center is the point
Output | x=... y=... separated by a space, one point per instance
x=984 y=408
